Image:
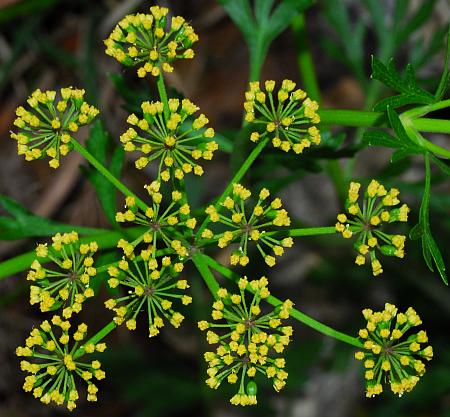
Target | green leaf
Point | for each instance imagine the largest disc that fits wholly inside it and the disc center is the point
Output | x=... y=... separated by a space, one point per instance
x=381 y=138
x=400 y=131
x=443 y=83
x=400 y=11
x=349 y=45
x=282 y=16
x=97 y=145
x=404 y=153
x=430 y=250
x=394 y=169
x=262 y=11
x=377 y=13
x=442 y=164
x=410 y=92
x=22 y=8
x=259 y=26
x=241 y=14
x=435 y=253
x=415 y=22
x=416 y=232
x=422 y=50
x=24 y=224
x=398 y=101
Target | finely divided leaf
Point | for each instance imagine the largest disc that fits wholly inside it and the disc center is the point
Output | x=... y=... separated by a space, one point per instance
x=241 y=14
x=381 y=138
x=400 y=131
x=23 y=224
x=442 y=164
x=445 y=78
x=258 y=25
x=431 y=252
x=410 y=92
x=417 y=21
x=282 y=16
x=404 y=153
x=402 y=143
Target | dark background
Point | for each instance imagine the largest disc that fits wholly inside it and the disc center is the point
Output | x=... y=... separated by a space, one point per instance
x=55 y=43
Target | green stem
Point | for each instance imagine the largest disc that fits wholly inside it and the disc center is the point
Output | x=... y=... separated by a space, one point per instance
x=200 y=261
x=163 y=95
x=358 y=118
x=424 y=110
x=63 y=227
x=312 y=231
x=296 y=314
x=96 y=338
x=436 y=149
x=258 y=54
x=432 y=125
x=105 y=240
x=236 y=178
x=104 y=171
x=361 y=118
x=304 y=231
x=352 y=118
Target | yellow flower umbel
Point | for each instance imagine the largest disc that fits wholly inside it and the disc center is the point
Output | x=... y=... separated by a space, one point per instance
x=170 y=225
x=288 y=120
x=366 y=221
x=248 y=341
x=256 y=224
x=149 y=43
x=67 y=284
x=151 y=285
x=47 y=127
x=174 y=140
x=54 y=365
x=390 y=355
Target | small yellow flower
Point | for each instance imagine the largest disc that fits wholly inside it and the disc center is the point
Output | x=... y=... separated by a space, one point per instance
x=151 y=285
x=367 y=224
x=46 y=128
x=150 y=43
x=53 y=379
x=166 y=225
x=173 y=138
x=66 y=285
x=251 y=225
x=254 y=341
x=383 y=346
x=294 y=129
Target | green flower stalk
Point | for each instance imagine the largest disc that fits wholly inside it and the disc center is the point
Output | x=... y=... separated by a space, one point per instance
x=171 y=138
x=169 y=226
x=366 y=221
x=288 y=120
x=151 y=285
x=50 y=360
x=46 y=129
x=250 y=225
x=389 y=355
x=65 y=285
x=248 y=341
x=146 y=41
